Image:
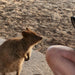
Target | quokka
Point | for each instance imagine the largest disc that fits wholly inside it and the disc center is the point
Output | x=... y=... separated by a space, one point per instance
x=13 y=52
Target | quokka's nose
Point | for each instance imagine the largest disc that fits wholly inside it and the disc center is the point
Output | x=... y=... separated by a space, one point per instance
x=40 y=38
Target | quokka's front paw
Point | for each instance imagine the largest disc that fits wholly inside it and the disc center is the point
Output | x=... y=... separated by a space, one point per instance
x=27 y=57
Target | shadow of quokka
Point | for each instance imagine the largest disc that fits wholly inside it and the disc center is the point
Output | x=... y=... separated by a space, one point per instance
x=13 y=52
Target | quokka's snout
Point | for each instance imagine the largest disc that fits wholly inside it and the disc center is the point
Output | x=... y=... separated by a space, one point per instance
x=39 y=38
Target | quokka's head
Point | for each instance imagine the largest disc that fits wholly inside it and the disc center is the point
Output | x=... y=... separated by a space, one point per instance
x=73 y=21
x=31 y=37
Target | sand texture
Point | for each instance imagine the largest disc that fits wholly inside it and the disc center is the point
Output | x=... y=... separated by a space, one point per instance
x=49 y=18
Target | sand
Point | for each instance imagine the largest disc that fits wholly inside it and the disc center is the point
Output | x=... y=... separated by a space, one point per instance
x=49 y=18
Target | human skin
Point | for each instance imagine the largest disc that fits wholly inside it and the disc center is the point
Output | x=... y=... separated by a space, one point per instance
x=61 y=59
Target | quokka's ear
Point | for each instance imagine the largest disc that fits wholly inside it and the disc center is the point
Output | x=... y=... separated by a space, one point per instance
x=25 y=34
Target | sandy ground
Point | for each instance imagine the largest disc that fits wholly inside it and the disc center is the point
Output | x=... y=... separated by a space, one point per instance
x=49 y=18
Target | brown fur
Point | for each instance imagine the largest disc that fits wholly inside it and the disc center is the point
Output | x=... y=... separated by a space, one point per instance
x=14 y=51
